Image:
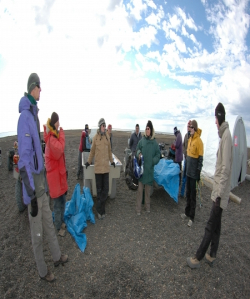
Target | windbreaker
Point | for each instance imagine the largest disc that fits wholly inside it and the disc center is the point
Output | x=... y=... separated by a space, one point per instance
x=55 y=161
x=178 y=147
x=30 y=164
x=133 y=141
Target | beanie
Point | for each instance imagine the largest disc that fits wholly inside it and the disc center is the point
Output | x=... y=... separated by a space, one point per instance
x=194 y=124
x=150 y=125
x=220 y=113
x=101 y=122
x=175 y=130
x=33 y=81
x=54 y=118
x=109 y=126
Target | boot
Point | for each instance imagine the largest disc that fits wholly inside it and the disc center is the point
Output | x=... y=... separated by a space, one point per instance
x=63 y=259
x=193 y=263
x=49 y=277
x=210 y=260
x=61 y=232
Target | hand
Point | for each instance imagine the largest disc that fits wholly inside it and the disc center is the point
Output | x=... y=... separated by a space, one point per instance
x=198 y=176
x=113 y=163
x=87 y=164
x=34 y=207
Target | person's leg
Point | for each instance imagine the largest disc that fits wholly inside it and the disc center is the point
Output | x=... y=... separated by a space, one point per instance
x=180 y=173
x=192 y=198
x=79 y=164
x=216 y=233
x=139 y=197
x=63 y=201
x=105 y=191
x=184 y=178
x=188 y=196
x=57 y=212
x=147 y=197
x=98 y=178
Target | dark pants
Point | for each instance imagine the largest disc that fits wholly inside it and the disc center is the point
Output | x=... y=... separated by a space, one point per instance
x=59 y=208
x=212 y=232
x=184 y=178
x=191 y=198
x=102 y=188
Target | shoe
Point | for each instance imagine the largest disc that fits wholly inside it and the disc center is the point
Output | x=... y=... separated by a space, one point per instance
x=193 y=263
x=99 y=216
x=49 y=277
x=138 y=214
x=184 y=216
x=61 y=232
x=63 y=259
x=63 y=226
x=210 y=260
x=190 y=222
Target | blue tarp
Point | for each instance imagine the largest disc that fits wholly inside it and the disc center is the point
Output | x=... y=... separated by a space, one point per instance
x=77 y=211
x=166 y=174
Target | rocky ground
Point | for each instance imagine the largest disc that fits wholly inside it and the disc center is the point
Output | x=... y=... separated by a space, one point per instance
x=127 y=256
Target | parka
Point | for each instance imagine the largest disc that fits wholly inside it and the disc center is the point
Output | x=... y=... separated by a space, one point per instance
x=149 y=148
x=223 y=168
x=55 y=161
x=178 y=147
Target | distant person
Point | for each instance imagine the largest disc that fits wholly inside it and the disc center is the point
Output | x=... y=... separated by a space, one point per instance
x=88 y=139
x=149 y=149
x=32 y=172
x=56 y=169
x=220 y=193
x=82 y=148
x=185 y=145
x=134 y=139
x=194 y=166
x=101 y=150
x=178 y=150
x=110 y=135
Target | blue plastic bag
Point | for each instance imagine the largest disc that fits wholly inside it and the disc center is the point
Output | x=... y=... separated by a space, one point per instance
x=77 y=211
x=166 y=174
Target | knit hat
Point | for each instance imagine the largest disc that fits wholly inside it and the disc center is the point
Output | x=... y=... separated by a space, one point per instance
x=150 y=125
x=101 y=122
x=54 y=118
x=220 y=113
x=86 y=127
x=175 y=130
x=33 y=81
x=194 y=124
x=109 y=126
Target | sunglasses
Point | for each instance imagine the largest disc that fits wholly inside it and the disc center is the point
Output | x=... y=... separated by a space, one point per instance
x=104 y=125
x=38 y=85
x=147 y=128
x=191 y=127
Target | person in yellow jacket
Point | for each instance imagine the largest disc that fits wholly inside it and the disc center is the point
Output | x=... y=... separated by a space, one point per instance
x=194 y=166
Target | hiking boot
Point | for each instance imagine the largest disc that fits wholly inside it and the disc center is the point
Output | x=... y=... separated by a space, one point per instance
x=184 y=216
x=190 y=222
x=49 y=277
x=63 y=226
x=61 y=232
x=210 y=260
x=63 y=260
x=99 y=216
x=193 y=263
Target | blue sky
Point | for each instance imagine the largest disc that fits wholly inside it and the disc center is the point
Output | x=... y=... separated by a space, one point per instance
x=126 y=61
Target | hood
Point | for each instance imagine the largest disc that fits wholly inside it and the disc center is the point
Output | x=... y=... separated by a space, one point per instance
x=222 y=128
x=153 y=134
x=199 y=131
x=196 y=134
x=49 y=130
x=24 y=104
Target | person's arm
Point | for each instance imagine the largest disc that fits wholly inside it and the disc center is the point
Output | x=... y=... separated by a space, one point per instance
x=92 y=151
x=157 y=155
x=57 y=145
x=131 y=141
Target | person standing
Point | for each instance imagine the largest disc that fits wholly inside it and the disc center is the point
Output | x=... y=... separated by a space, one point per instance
x=101 y=150
x=110 y=134
x=178 y=150
x=82 y=148
x=194 y=166
x=56 y=169
x=185 y=145
x=32 y=172
x=134 y=139
x=220 y=193
x=149 y=149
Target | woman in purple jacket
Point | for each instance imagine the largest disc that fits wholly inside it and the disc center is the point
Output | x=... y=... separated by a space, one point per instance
x=178 y=149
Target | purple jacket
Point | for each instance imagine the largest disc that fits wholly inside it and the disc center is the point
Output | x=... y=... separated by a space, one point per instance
x=178 y=147
x=30 y=163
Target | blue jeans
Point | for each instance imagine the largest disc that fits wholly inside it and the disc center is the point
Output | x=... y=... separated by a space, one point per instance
x=59 y=208
x=184 y=179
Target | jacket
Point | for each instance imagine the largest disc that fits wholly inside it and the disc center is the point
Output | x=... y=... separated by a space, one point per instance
x=83 y=140
x=185 y=144
x=110 y=136
x=149 y=148
x=223 y=168
x=178 y=147
x=194 y=155
x=133 y=141
x=30 y=164
x=55 y=161
x=101 y=150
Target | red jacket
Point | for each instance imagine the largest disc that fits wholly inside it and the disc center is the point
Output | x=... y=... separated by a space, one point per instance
x=55 y=161
x=83 y=138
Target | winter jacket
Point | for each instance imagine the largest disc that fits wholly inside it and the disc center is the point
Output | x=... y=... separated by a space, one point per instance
x=149 y=148
x=185 y=144
x=101 y=150
x=55 y=161
x=110 y=136
x=30 y=164
x=178 y=147
x=194 y=155
x=133 y=141
x=83 y=142
x=223 y=168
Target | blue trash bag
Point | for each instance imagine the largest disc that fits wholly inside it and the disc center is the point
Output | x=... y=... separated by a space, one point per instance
x=88 y=205
x=166 y=174
x=75 y=216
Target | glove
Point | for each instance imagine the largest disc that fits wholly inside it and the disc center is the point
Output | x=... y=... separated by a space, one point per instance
x=198 y=175
x=34 y=207
x=113 y=163
x=217 y=202
x=87 y=164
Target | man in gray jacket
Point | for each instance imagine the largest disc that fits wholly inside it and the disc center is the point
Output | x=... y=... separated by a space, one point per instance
x=134 y=139
x=220 y=193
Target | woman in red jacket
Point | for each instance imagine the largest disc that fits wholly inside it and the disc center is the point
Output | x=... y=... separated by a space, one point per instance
x=56 y=169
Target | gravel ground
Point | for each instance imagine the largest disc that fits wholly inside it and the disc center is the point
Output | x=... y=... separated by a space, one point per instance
x=127 y=256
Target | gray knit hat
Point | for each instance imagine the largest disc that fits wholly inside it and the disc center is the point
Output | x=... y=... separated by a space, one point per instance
x=101 y=122
x=33 y=81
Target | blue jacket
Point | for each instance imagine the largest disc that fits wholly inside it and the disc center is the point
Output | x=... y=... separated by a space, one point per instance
x=30 y=164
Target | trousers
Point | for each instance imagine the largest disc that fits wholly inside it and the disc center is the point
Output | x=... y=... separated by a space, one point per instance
x=191 y=198
x=102 y=189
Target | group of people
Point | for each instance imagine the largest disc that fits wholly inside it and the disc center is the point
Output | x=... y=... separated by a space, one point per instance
x=37 y=183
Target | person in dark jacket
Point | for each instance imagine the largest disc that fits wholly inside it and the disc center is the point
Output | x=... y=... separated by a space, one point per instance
x=220 y=193
x=82 y=148
x=134 y=139
x=32 y=172
x=194 y=166
x=178 y=150
x=149 y=149
x=110 y=134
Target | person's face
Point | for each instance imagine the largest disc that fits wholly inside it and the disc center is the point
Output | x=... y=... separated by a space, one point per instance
x=192 y=130
x=148 y=131
x=137 y=130
x=57 y=124
x=217 y=123
x=103 y=127
x=36 y=92
x=109 y=129
x=188 y=128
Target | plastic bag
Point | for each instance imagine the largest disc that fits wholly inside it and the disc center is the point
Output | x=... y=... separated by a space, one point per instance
x=138 y=169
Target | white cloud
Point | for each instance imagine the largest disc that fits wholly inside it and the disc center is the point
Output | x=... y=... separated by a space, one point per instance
x=155 y=19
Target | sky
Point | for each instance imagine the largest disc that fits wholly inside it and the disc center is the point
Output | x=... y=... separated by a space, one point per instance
x=126 y=61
